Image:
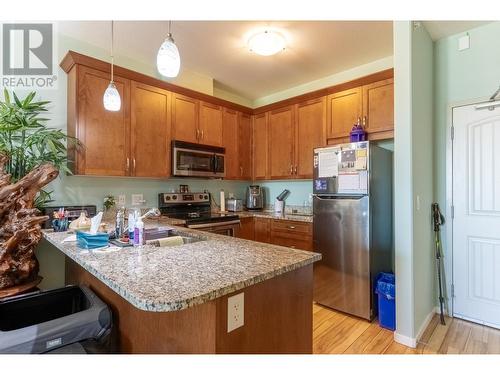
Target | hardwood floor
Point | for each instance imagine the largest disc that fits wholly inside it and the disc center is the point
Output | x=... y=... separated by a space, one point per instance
x=336 y=333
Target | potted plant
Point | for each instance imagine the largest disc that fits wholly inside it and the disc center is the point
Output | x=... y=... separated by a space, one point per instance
x=31 y=156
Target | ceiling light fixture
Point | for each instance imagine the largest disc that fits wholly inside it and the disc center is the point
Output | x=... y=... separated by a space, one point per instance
x=267 y=42
x=111 y=98
x=168 y=60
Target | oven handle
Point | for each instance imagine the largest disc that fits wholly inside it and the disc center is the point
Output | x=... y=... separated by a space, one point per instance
x=212 y=225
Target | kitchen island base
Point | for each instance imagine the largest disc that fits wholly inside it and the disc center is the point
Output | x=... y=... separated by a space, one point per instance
x=277 y=319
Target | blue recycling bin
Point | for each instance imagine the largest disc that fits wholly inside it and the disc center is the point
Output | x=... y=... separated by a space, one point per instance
x=385 y=287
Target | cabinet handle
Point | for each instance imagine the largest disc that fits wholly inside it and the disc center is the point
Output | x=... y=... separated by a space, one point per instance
x=203 y=134
x=134 y=165
x=291 y=169
x=365 y=120
x=295 y=170
x=291 y=227
x=241 y=171
x=198 y=134
x=128 y=165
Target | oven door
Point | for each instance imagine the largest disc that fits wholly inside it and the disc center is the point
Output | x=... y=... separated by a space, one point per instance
x=186 y=162
x=226 y=228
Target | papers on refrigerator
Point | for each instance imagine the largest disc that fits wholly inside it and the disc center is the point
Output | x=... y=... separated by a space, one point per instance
x=328 y=164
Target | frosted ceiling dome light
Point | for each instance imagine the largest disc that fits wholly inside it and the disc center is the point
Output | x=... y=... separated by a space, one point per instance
x=267 y=43
x=168 y=60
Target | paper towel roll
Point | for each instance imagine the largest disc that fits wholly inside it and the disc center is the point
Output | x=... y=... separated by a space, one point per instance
x=168 y=241
x=222 y=201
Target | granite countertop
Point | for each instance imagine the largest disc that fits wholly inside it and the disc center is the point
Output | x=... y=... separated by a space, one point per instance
x=174 y=278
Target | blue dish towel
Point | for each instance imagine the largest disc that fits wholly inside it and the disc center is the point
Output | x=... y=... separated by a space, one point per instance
x=85 y=240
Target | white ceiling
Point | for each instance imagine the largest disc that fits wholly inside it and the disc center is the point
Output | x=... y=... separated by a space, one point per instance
x=442 y=29
x=218 y=49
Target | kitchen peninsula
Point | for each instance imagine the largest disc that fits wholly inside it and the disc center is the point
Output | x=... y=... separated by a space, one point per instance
x=175 y=299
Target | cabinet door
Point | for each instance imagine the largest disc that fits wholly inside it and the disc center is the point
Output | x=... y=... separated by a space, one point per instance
x=150 y=140
x=246 y=229
x=281 y=143
x=262 y=229
x=260 y=147
x=184 y=118
x=245 y=146
x=210 y=124
x=378 y=106
x=310 y=133
x=104 y=134
x=230 y=137
x=344 y=110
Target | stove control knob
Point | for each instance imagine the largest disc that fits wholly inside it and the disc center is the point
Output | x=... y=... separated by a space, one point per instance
x=174 y=197
x=206 y=196
x=200 y=196
x=167 y=198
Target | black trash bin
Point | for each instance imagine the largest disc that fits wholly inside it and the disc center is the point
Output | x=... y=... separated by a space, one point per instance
x=65 y=320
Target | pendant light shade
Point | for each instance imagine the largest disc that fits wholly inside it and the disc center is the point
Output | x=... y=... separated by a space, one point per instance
x=168 y=60
x=111 y=98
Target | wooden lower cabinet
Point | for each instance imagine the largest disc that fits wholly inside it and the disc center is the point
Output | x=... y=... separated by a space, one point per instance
x=262 y=229
x=246 y=229
x=292 y=234
x=289 y=233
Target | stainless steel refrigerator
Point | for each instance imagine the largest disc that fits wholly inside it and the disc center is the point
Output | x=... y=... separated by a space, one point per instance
x=352 y=227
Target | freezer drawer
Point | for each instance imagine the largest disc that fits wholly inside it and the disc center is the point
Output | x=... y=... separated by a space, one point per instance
x=341 y=235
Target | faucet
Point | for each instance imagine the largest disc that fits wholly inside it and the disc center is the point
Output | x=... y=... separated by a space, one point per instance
x=153 y=212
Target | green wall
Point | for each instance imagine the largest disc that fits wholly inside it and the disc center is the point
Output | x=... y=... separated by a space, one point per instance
x=460 y=76
x=422 y=159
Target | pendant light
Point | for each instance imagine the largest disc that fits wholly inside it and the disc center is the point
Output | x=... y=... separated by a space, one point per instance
x=168 y=61
x=111 y=98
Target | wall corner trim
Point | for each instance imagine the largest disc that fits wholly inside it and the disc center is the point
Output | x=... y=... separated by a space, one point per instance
x=411 y=342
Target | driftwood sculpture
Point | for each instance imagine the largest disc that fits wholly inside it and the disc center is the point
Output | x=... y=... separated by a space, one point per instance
x=20 y=229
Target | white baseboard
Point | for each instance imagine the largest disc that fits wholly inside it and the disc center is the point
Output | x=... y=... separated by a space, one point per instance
x=405 y=340
x=413 y=341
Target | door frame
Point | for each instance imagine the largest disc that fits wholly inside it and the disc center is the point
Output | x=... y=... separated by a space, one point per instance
x=448 y=260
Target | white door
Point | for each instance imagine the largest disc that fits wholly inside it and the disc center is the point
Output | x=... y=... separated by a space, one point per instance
x=476 y=225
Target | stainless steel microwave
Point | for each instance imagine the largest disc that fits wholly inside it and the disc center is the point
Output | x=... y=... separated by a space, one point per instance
x=196 y=160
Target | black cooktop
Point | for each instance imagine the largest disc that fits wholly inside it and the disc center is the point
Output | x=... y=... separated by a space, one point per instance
x=203 y=217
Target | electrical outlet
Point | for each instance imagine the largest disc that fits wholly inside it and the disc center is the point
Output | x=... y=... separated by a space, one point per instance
x=137 y=199
x=122 y=199
x=235 y=312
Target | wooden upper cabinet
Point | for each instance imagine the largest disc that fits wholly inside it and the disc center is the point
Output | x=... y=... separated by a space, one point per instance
x=104 y=134
x=378 y=106
x=185 y=118
x=230 y=143
x=344 y=110
x=150 y=138
x=281 y=143
x=310 y=133
x=260 y=147
x=245 y=146
x=210 y=124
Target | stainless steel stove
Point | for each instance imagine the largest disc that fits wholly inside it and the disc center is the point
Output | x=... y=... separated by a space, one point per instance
x=196 y=210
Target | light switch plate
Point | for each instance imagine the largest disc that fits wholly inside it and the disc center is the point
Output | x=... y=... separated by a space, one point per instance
x=235 y=312
x=122 y=199
x=137 y=199
x=464 y=42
